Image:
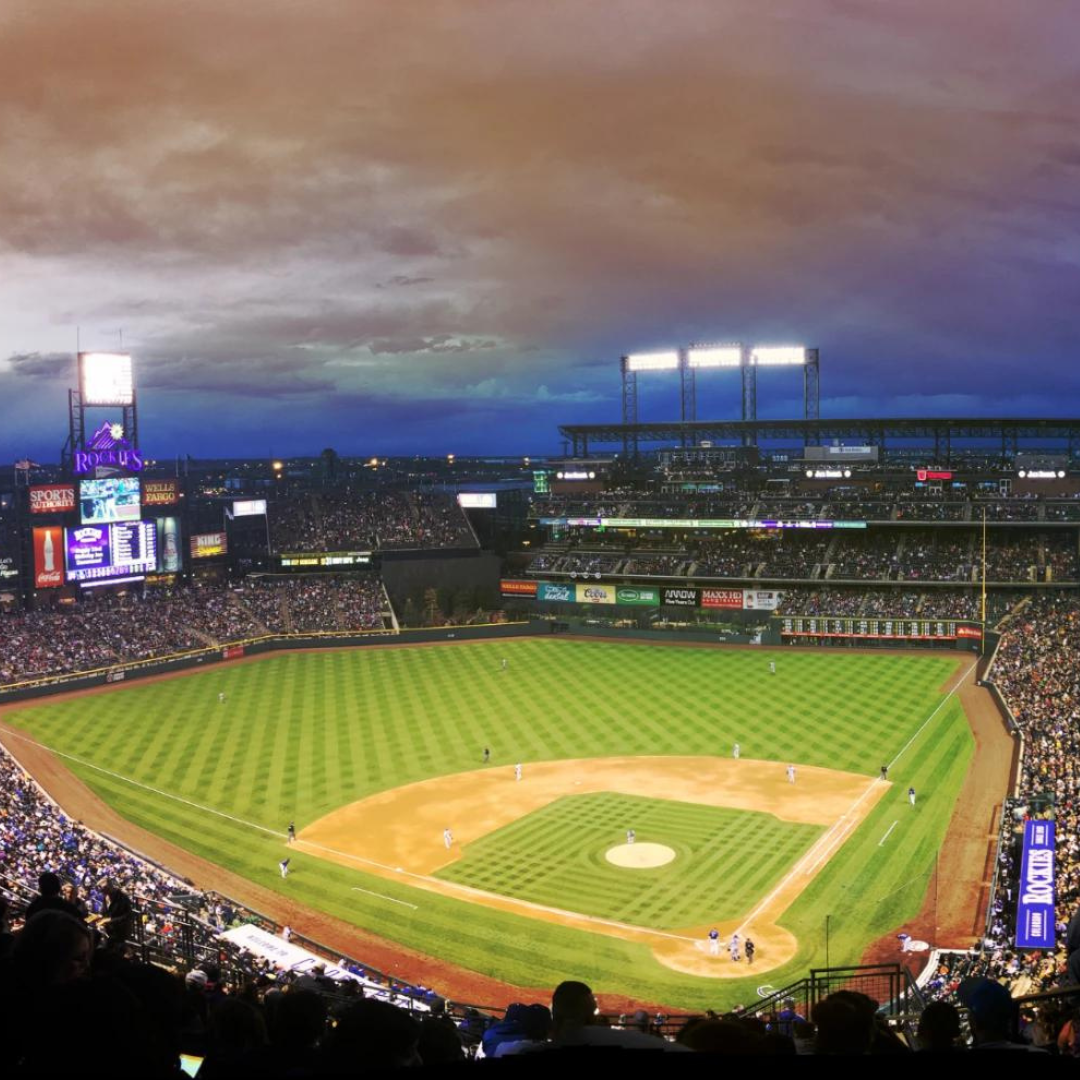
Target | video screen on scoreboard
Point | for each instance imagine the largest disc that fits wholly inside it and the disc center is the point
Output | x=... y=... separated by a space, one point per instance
x=114 y=499
x=96 y=553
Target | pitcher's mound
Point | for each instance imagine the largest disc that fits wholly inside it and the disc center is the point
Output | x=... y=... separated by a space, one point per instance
x=640 y=856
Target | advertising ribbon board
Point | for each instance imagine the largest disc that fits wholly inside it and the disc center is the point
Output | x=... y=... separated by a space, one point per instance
x=637 y=596
x=722 y=598
x=1035 y=906
x=595 y=593
x=563 y=594
x=675 y=597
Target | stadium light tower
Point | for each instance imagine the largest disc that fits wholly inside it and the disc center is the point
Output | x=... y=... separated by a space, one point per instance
x=702 y=357
x=667 y=360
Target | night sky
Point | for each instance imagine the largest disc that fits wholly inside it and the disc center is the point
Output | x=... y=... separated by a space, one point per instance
x=434 y=225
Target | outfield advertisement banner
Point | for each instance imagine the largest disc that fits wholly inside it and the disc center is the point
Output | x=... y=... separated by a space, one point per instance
x=563 y=594
x=637 y=595
x=1035 y=905
x=722 y=598
x=684 y=597
x=761 y=600
x=518 y=588
x=595 y=594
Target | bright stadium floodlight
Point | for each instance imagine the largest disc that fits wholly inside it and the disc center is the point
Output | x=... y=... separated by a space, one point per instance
x=655 y=361
x=105 y=379
x=778 y=354
x=714 y=356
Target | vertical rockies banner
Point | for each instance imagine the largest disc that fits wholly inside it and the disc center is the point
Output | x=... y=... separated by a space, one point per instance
x=1035 y=908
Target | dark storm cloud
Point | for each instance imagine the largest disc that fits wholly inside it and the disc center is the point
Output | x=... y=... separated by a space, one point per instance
x=482 y=202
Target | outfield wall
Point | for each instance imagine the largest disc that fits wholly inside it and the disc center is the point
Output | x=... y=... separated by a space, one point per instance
x=259 y=646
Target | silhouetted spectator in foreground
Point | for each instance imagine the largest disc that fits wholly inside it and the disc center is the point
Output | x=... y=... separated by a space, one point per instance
x=995 y=1016
x=50 y=899
x=119 y=916
x=939 y=1028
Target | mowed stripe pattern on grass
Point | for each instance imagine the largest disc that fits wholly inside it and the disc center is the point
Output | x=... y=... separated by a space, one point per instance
x=725 y=859
x=301 y=734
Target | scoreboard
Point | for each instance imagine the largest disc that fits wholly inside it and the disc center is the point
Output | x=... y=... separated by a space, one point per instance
x=899 y=629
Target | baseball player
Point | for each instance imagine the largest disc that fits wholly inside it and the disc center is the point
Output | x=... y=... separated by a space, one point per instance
x=736 y=750
x=447 y=838
x=283 y=866
x=517 y=771
x=714 y=942
x=884 y=772
x=791 y=774
x=749 y=948
x=292 y=832
x=487 y=754
x=772 y=667
x=631 y=836
x=735 y=947
x=505 y=664
x=221 y=698
x=911 y=795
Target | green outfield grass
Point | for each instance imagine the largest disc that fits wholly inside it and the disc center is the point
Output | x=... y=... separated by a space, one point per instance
x=302 y=734
x=555 y=856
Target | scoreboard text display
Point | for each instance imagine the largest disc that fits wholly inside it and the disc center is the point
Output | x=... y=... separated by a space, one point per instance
x=901 y=629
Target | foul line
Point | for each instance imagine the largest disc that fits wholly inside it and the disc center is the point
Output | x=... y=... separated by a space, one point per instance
x=886 y=836
x=437 y=883
x=941 y=704
x=145 y=787
x=381 y=896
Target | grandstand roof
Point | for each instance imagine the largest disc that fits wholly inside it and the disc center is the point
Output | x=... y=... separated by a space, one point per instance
x=871 y=431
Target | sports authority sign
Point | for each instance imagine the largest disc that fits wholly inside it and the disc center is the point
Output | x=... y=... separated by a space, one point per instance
x=722 y=598
x=52 y=498
x=1035 y=905
x=595 y=594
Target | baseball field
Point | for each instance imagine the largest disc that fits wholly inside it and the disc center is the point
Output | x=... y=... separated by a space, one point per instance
x=375 y=753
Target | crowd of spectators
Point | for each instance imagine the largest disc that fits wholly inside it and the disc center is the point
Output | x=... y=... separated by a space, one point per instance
x=317 y=604
x=1037 y=671
x=1060 y=555
x=930 y=555
x=793 y=555
x=732 y=554
x=1010 y=558
x=864 y=556
x=110 y=629
x=886 y=603
x=660 y=565
x=346 y=520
